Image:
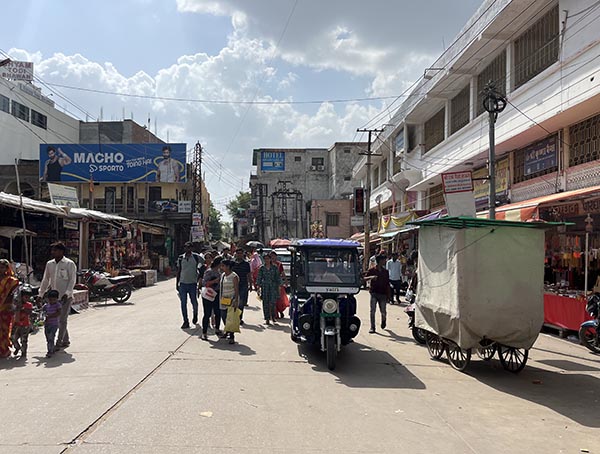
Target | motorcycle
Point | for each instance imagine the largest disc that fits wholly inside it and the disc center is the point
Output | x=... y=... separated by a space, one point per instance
x=418 y=334
x=589 y=331
x=102 y=285
x=324 y=279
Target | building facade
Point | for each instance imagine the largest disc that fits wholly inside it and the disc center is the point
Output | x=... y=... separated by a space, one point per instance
x=543 y=56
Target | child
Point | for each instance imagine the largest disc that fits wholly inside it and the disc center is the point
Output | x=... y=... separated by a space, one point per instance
x=52 y=309
x=22 y=322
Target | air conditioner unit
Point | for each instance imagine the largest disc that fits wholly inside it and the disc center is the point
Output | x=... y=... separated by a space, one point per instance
x=321 y=168
x=313 y=168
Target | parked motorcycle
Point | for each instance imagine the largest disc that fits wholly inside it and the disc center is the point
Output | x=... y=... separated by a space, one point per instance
x=418 y=334
x=102 y=285
x=589 y=331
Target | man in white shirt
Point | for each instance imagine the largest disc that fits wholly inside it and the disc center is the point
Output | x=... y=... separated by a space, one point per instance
x=60 y=275
x=168 y=169
x=394 y=267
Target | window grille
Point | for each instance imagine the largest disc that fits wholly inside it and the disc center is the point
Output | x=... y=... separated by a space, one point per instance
x=38 y=119
x=436 y=197
x=537 y=48
x=397 y=165
x=4 y=104
x=434 y=130
x=20 y=111
x=383 y=173
x=412 y=137
x=585 y=141
x=318 y=161
x=460 y=109
x=496 y=72
x=333 y=219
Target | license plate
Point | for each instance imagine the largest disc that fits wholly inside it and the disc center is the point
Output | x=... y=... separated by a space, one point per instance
x=326 y=315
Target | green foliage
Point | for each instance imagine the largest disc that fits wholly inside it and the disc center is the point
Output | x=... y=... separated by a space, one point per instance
x=241 y=202
x=215 y=226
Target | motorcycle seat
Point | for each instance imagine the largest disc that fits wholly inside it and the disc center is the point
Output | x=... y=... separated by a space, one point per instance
x=119 y=279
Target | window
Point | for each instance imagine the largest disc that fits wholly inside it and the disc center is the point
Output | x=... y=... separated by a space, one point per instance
x=384 y=171
x=333 y=219
x=110 y=199
x=397 y=165
x=585 y=141
x=375 y=179
x=297 y=158
x=347 y=150
x=537 y=48
x=434 y=130
x=460 y=109
x=4 y=104
x=436 y=197
x=20 y=111
x=38 y=119
x=496 y=72
x=348 y=178
x=318 y=161
x=154 y=193
x=412 y=137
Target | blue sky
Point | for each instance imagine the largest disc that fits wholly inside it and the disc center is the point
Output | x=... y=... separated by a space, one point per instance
x=233 y=50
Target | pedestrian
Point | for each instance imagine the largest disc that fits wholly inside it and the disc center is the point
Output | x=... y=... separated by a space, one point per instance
x=226 y=254
x=394 y=267
x=188 y=275
x=379 y=290
x=210 y=297
x=282 y=302
x=229 y=294
x=53 y=310
x=8 y=284
x=60 y=275
x=241 y=267
x=22 y=321
x=269 y=282
x=255 y=264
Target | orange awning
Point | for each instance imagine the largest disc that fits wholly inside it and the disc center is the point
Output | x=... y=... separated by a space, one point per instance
x=528 y=209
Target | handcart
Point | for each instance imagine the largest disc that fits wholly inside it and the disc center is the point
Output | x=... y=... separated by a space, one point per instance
x=480 y=287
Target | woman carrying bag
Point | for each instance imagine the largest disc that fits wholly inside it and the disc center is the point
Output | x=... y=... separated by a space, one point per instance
x=210 y=297
x=230 y=298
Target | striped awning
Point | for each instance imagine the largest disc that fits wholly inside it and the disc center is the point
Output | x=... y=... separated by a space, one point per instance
x=529 y=209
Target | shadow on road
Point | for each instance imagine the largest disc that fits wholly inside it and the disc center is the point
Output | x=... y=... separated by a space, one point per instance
x=102 y=304
x=397 y=338
x=571 y=395
x=57 y=360
x=361 y=366
x=12 y=362
x=223 y=344
x=570 y=366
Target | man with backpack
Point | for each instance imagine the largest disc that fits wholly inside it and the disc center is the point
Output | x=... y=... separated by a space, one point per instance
x=188 y=277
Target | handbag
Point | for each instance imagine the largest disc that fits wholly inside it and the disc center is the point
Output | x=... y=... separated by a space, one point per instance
x=208 y=293
x=232 y=322
x=226 y=301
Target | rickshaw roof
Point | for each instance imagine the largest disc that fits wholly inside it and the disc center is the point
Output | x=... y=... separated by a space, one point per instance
x=325 y=242
x=462 y=222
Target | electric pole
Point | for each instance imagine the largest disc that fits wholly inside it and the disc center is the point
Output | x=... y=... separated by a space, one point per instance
x=494 y=103
x=367 y=221
x=197 y=187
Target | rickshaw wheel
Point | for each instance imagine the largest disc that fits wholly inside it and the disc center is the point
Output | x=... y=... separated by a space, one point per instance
x=487 y=350
x=435 y=345
x=459 y=358
x=513 y=359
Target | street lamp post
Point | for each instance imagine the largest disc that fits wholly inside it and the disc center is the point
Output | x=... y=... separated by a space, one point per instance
x=589 y=227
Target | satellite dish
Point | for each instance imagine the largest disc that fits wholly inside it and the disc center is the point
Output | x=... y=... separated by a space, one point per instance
x=403 y=183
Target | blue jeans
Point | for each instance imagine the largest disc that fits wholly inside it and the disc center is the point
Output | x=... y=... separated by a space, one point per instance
x=50 y=332
x=184 y=291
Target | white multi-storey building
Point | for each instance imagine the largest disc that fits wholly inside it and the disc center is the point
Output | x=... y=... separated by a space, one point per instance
x=545 y=57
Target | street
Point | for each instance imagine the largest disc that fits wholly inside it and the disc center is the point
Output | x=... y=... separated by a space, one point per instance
x=132 y=381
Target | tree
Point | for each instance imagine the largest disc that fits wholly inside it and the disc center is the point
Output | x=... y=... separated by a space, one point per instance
x=215 y=226
x=241 y=202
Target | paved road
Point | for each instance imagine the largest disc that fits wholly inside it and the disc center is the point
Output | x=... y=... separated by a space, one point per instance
x=134 y=382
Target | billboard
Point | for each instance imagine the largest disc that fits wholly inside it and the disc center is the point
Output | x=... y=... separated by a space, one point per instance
x=113 y=163
x=63 y=195
x=272 y=161
x=16 y=70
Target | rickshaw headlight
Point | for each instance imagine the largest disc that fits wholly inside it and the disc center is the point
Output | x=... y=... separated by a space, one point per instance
x=353 y=327
x=330 y=306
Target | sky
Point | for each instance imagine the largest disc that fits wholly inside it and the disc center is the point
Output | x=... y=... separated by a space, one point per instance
x=234 y=51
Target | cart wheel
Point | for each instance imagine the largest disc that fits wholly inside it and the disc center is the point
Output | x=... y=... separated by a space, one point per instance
x=486 y=351
x=459 y=358
x=513 y=359
x=435 y=345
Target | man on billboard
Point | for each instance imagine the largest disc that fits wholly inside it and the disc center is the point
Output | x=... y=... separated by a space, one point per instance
x=168 y=168
x=57 y=159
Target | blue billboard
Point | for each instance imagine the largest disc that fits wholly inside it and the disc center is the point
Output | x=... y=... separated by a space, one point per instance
x=113 y=163
x=272 y=161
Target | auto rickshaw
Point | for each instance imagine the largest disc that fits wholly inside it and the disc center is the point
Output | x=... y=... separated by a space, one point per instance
x=325 y=276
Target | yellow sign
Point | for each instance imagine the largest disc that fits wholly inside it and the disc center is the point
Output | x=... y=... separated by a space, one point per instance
x=481 y=187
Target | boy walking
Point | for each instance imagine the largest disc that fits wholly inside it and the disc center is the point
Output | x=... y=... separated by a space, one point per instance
x=22 y=323
x=52 y=310
x=380 y=290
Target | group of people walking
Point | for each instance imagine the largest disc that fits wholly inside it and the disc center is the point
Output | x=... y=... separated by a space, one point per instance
x=17 y=305
x=223 y=283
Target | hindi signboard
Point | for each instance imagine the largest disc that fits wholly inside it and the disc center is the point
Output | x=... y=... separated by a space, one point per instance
x=184 y=206
x=541 y=155
x=458 y=192
x=454 y=182
x=63 y=195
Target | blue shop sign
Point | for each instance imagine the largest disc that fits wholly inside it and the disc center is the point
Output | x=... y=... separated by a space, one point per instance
x=541 y=156
x=272 y=161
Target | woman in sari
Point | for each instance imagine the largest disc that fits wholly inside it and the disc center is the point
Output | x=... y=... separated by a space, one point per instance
x=269 y=281
x=8 y=284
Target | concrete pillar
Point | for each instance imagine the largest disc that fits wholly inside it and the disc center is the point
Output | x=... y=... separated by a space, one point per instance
x=564 y=157
x=510 y=77
x=473 y=100
x=447 y=119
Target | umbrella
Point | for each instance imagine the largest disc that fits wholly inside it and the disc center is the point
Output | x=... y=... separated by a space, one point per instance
x=279 y=242
x=255 y=244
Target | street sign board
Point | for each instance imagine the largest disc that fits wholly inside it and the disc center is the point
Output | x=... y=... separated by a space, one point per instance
x=184 y=206
x=454 y=182
x=63 y=195
x=357 y=221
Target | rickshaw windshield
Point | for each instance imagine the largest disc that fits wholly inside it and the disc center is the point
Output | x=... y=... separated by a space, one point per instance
x=332 y=266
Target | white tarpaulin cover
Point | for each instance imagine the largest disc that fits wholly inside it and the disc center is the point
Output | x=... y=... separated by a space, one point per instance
x=484 y=282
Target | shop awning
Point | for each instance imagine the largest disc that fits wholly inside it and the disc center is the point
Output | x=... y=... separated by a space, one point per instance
x=30 y=205
x=13 y=232
x=93 y=215
x=360 y=237
x=528 y=209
